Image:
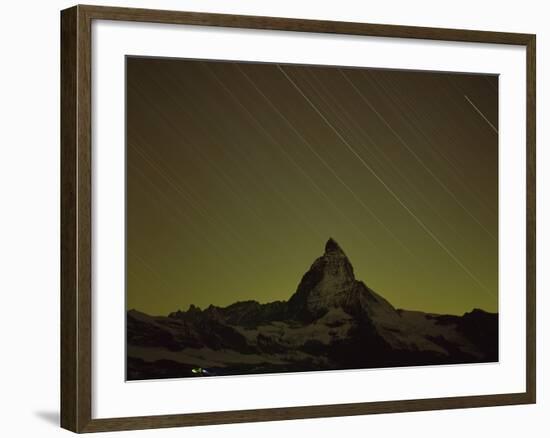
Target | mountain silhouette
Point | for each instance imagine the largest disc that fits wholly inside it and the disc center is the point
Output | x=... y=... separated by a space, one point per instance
x=332 y=321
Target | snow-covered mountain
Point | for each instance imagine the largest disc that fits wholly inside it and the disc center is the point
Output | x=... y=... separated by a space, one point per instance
x=332 y=321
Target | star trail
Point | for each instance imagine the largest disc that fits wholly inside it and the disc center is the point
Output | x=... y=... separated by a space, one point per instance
x=237 y=174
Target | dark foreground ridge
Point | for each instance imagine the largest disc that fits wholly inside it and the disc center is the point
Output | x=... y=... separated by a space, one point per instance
x=332 y=321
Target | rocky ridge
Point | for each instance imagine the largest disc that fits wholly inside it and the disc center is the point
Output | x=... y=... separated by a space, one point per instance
x=332 y=321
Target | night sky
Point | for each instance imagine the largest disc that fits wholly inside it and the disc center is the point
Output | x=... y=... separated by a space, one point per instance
x=238 y=173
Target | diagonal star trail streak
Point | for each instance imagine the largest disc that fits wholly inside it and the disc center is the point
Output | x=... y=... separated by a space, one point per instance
x=152 y=270
x=412 y=119
x=389 y=190
x=265 y=132
x=206 y=216
x=416 y=157
x=181 y=214
x=234 y=182
x=356 y=126
x=217 y=171
x=481 y=114
x=332 y=171
x=274 y=142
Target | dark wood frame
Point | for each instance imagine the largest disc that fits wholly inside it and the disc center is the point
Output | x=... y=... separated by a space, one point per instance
x=76 y=308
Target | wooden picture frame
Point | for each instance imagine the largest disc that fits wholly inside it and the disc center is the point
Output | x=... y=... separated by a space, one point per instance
x=76 y=218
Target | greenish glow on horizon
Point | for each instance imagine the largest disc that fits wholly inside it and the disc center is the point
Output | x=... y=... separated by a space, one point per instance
x=235 y=181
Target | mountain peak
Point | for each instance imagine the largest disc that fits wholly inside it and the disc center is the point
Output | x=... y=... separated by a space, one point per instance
x=332 y=247
x=327 y=283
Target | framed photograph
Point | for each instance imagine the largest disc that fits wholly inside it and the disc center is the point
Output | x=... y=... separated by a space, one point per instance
x=272 y=218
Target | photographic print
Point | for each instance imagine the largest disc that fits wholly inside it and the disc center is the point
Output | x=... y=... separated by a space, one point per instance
x=294 y=218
